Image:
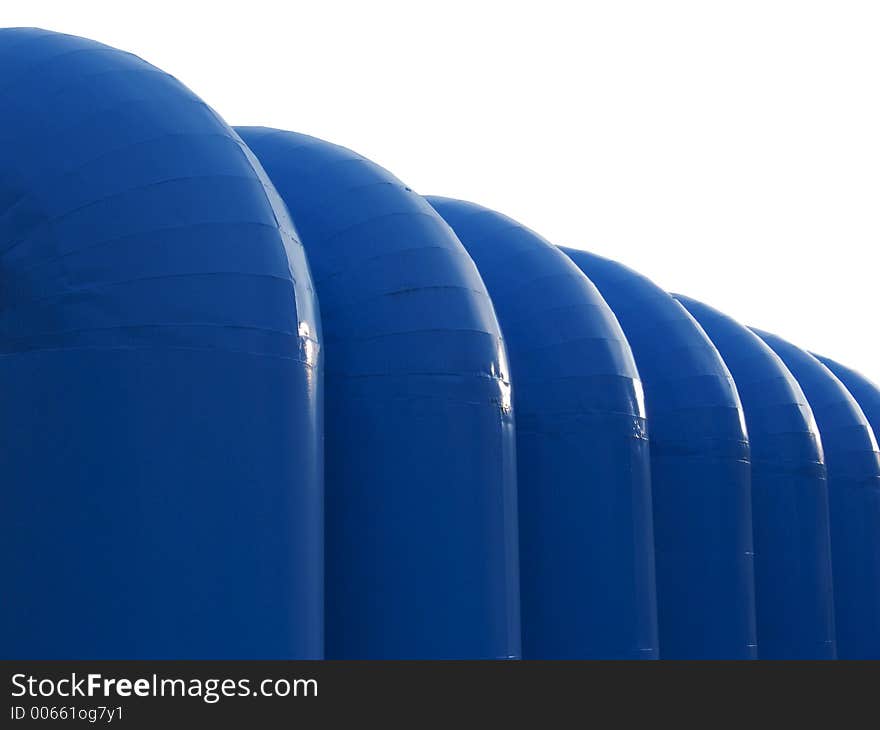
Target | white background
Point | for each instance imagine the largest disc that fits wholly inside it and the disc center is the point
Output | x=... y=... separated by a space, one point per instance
x=728 y=150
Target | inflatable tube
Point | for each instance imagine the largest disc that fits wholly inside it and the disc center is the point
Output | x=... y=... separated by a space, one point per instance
x=586 y=542
x=700 y=474
x=866 y=392
x=853 y=463
x=159 y=374
x=421 y=482
x=793 y=588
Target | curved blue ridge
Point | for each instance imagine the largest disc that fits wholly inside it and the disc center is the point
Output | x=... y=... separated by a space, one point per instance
x=865 y=391
x=853 y=462
x=421 y=481
x=793 y=587
x=159 y=373
x=700 y=474
x=586 y=543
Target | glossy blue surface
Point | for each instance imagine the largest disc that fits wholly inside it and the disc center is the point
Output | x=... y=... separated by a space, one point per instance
x=586 y=542
x=162 y=411
x=421 y=475
x=866 y=392
x=793 y=586
x=159 y=373
x=854 y=499
x=700 y=474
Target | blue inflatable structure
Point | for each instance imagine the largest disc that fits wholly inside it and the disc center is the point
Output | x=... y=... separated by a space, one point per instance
x=586 y=542
x=255 y=403
x=866 y=392
x=421 y=553
x=853 y=463
x=700 y=473
x=793 y=585
x=160 y=373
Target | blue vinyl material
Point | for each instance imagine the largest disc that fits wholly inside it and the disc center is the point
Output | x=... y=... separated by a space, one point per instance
x=159 y=373
x=586 y=542
x=700 y=474
x=853 y=463
x=162 y=414
x=421 y=551
x=793 y=583
x=866 y=392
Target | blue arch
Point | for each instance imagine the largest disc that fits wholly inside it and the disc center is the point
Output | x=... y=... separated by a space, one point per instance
x=421 y=482
x=700 y=474
x=853 y=464
x=159 y=373
x=586 y=543
x=866 y=392
x=793 y=587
